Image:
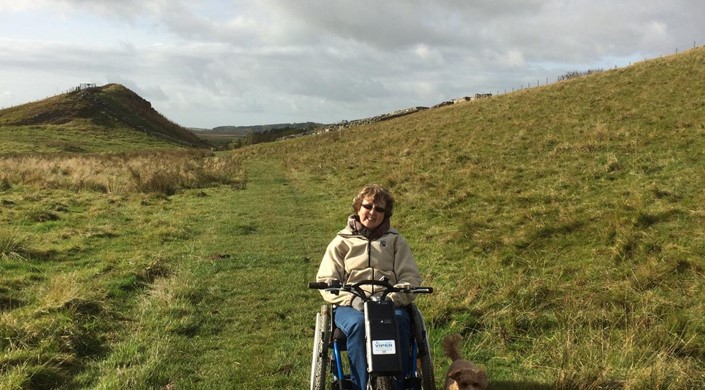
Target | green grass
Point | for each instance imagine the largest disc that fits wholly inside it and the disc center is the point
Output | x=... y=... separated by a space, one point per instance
x=564 y=220
x=561 y=227
x=77 y=138
x=235 y=313
x=75 y=264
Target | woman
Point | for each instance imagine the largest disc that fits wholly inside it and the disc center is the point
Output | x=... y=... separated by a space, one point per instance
x=368 y=248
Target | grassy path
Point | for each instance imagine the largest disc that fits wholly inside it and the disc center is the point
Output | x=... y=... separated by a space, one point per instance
x=237 y=313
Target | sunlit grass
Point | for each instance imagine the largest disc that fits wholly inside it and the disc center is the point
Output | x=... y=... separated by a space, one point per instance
x=560 y=226
x=565 y=221
x=77 y=249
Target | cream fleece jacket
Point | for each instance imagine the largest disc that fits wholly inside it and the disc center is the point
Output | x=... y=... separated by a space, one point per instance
x=351 y=258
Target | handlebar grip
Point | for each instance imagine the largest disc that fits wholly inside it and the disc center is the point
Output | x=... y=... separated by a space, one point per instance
x=317 y=285
x=423 y=290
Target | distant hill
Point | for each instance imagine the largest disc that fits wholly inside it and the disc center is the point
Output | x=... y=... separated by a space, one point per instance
x=244 y=130
x=108 y=112
x=233 y=136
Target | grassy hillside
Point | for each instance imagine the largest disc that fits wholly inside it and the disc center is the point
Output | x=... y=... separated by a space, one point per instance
x=561 y=227
x=107 y=118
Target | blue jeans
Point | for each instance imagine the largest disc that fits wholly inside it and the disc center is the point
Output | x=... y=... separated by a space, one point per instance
x=352 y=323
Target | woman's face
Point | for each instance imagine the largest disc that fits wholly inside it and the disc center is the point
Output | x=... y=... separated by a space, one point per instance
x=371 y=214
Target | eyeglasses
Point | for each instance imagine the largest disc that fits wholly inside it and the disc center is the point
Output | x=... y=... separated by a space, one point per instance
x=370 y=206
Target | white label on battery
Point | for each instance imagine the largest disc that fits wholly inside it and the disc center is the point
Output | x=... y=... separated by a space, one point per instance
x=383 y=347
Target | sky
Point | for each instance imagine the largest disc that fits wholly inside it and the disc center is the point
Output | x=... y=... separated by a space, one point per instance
x=216 y=63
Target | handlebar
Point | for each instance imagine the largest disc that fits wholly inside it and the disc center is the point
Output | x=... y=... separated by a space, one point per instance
x=317 y=285
x=335 y=287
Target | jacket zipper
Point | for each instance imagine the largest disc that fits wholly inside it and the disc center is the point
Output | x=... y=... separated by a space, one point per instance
x=369 y=264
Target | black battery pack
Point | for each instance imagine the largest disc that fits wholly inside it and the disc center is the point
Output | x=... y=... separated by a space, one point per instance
x=383 y=354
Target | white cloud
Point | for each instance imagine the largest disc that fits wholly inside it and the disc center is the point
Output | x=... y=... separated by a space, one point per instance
x=655 y=33
x=512 y=58
x=429 y=55
x=221 y=62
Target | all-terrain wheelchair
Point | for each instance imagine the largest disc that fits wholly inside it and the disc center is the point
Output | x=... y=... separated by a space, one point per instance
x=383 y=358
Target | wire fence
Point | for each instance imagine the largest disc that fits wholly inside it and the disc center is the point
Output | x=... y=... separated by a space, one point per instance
x=574 y=74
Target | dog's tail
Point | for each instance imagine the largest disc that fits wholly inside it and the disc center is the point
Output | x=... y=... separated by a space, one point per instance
x=451 y=346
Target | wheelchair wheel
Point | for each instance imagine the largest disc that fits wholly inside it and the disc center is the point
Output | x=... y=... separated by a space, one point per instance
x=385 y=383
x=424 y=361
x=319 y=361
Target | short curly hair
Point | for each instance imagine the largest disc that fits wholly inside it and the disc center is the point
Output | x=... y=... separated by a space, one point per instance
x=379 y=194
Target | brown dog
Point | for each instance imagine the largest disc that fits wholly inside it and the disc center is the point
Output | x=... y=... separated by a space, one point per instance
x=462 y=374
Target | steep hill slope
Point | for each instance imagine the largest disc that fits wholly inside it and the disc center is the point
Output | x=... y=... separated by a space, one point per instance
x=562 y=225
x=110 y=112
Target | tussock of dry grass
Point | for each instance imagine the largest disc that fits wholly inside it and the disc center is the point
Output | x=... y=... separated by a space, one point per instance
x=63 y=291
x=12 y=244
x=158 y=172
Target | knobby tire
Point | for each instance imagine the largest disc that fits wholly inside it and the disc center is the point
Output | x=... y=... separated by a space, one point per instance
x=319 y=361
x=424 y=361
